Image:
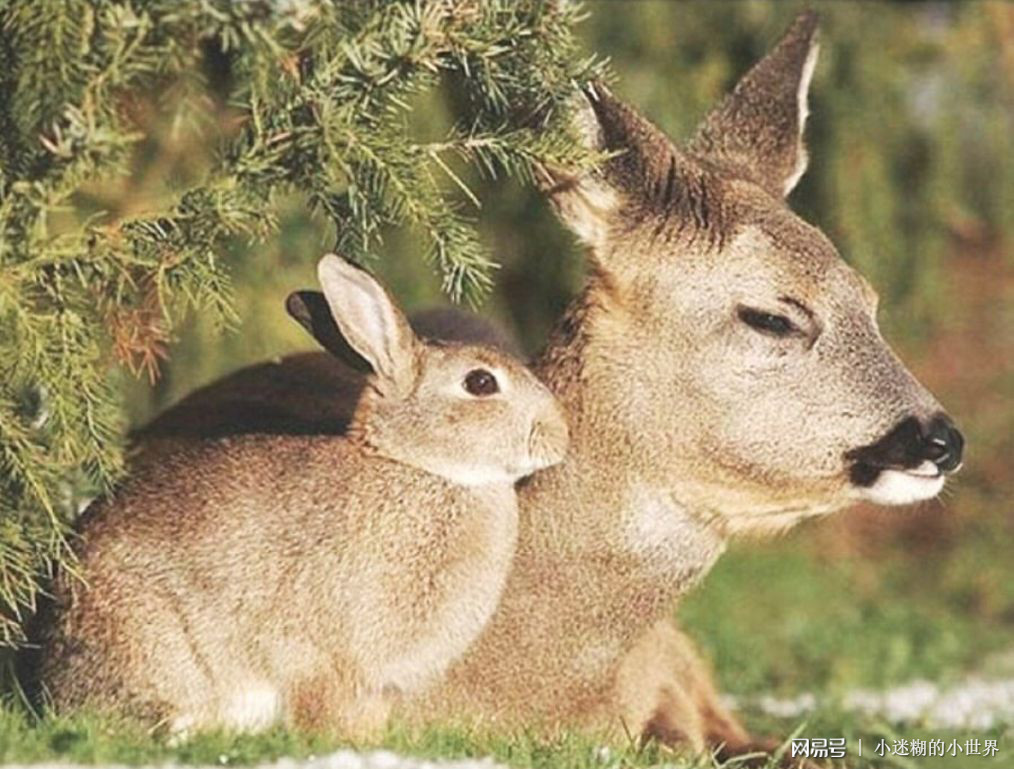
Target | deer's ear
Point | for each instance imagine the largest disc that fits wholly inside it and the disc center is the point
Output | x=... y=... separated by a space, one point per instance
x=643 y=166
x=311 y=311
x=757 y=130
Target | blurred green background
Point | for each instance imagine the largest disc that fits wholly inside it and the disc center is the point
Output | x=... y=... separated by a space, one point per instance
x=911 y=139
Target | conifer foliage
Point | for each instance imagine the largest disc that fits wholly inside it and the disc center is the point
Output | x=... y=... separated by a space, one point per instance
x=307 y=95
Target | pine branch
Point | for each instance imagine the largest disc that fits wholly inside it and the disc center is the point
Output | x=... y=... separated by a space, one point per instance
x=311 y=96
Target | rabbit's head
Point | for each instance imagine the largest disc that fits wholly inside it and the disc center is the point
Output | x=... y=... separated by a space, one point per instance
x=469 y=413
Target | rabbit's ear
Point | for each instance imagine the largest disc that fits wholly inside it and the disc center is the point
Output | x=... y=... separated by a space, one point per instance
x=311 y=311
x=370 y=322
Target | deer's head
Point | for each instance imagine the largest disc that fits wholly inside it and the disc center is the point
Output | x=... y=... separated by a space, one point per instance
x=738 y=351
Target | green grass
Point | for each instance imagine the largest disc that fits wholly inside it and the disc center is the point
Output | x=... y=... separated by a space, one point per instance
x=93 y=740
x=815 y=623
x=90 y=740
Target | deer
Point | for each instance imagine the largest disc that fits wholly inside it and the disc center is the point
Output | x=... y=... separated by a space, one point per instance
x=723 y=376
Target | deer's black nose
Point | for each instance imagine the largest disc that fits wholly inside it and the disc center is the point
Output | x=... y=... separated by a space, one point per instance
x=943 y=444
x=908 y=445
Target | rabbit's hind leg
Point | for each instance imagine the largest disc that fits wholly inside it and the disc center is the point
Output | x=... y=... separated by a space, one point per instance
x=247 y=706
x=250 y=706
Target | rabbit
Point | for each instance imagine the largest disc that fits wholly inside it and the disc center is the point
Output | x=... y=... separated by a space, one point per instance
x=311 y=580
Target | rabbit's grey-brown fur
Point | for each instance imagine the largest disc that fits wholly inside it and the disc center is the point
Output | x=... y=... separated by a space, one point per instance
x=308 y=579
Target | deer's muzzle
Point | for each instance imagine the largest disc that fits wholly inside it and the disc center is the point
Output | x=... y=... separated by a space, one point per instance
x=923 y=449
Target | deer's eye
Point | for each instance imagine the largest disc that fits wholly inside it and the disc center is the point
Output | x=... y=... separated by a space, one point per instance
x=480 y=383
x=766 y=322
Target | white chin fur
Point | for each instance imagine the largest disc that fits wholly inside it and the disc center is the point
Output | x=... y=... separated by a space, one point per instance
x=899 y=487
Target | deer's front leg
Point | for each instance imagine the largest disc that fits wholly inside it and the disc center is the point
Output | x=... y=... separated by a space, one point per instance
x=664 y=691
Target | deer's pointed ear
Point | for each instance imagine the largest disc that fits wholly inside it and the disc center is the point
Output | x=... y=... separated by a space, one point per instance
x=757 y=130
x=311 y=311
x=642 y=166
x=371 y=323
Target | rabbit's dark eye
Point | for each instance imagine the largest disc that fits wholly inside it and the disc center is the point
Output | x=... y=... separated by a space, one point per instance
x=481 y=383
x=766 y=322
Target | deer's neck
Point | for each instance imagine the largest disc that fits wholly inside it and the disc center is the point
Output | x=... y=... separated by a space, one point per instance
x=607 y=500
x=606 y=531
x=618 y=547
